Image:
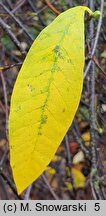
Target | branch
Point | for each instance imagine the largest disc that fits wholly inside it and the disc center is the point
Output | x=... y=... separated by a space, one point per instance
x=50 y=188
x=92 y=112
x=18 y=5
x=94 y=59
x=38 y=14
x=42 y=9
x=97 y=64
x=57 y=12
x=79 y=139
x=27 y=195
x=3 y=191
x=9 y=3
x=6 y=67
x=17 y=21
x=69 y=162
x=93 y=130
x=9 y=182
x=5 y=100
x=12 y=36
x=2 y=107
x=96 y=39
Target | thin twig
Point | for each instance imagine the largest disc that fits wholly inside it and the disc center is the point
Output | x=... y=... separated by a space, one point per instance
x=10 y=183
x=69 y=162
x=4 y=157
x=9 y=3
x=6 y=67
x=57 y=12
x=96 y=39
x=2 y=107
x=97 y=64
x=20 y=4
x=3 y=191
x=92 y=98
x=94 y=59
x=92 y=115
x=17 y=21
x=12 y=36
x=79 y=139
x=5 y=100
x=44 y=8
x=28 y=192
x=92 y=188
x=50 y=188
x=93 y=130
x=38 y=14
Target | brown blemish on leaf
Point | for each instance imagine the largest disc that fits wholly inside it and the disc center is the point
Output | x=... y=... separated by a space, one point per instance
x=17 y=109
x=30 y=87
x=69 y=61
x=39 y=133
x=44 y=119
x=57 y=48
x=63 y=110
x=55 y=68
x=44 y=59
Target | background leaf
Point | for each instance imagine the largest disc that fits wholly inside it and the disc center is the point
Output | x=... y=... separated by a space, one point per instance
x=79 y=179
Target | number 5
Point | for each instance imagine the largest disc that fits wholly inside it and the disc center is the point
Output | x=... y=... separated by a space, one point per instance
x=97 y=207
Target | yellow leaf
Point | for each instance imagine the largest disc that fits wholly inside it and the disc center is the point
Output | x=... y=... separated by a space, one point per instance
x=56 y=158
x=50 y=170
x=103 y=55
x=86 y=137
x=79 y=179
x=46 y=95
x=79 y=157
x=68 y=185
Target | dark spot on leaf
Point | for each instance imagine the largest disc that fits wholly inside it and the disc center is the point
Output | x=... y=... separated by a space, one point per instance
x=39 y=133
x=69 y=61
x=57 y=48
x=64 y=110
x=44 y=59
x=57 y=52
x=11 y=147
x=61 y=56
x=55 y=68
x=17 y=109
x=30 y=87
x=44 y=119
